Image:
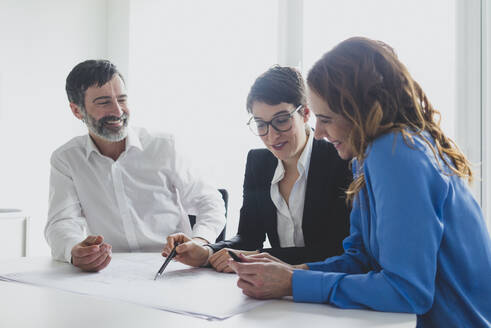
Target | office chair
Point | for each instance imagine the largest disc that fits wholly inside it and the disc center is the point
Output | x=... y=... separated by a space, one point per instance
x=221 y=236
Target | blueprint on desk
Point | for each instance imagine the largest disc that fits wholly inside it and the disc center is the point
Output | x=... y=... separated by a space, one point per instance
x=200 y=292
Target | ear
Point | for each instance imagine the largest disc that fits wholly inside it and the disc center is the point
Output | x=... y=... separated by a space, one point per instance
x=306 y=114
x=76 y=111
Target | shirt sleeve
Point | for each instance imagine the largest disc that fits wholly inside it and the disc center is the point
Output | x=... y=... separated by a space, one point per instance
x=405 y=193
x=202 y=198
x=66 y=225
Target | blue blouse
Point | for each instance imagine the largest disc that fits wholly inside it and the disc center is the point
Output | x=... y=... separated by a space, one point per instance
x=418 y=243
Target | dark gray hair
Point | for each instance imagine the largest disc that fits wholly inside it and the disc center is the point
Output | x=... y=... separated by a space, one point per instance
x=87 y=74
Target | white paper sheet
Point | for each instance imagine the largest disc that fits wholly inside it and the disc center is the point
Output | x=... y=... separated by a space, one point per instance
x=198 y=292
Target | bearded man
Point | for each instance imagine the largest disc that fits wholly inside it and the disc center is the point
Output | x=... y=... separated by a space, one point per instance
x=120 y=188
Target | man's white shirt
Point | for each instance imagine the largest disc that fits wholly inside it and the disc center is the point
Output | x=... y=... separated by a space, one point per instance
x=135 y=202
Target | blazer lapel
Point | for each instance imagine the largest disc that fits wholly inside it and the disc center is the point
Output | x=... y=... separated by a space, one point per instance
x=270 y=213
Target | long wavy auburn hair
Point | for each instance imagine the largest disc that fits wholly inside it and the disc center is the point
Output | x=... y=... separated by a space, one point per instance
x=364 y=81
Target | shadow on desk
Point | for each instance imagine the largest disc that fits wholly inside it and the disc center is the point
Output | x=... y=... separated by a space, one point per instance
x=330 y=316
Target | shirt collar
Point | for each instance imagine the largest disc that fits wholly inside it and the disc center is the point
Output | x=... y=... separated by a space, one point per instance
x=303 y=162
x=132 y=141
x=279 y=173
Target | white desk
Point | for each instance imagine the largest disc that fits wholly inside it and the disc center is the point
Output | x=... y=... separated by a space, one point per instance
x=24 y=305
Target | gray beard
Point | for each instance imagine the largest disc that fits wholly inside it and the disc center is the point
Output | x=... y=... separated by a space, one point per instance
x=98 y=127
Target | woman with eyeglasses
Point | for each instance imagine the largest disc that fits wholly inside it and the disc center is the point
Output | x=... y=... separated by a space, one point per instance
x=293 y=190
x=418 y=241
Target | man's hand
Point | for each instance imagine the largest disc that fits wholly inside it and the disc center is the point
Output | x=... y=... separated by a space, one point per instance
x=219 y=260
x=92 y=254
x=190 y=251
x=263 y=280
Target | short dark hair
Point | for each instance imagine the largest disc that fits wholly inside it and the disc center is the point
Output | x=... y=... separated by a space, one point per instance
x=86 y=74
x=278 y=84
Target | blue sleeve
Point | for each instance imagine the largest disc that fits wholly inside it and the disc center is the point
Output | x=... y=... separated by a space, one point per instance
x=405 y=192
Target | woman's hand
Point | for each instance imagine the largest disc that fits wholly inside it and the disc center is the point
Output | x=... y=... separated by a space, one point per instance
x=219 y=260
x=263 y=279
x=264 y=257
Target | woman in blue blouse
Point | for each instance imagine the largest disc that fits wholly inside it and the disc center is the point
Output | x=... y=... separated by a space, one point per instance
x=418 y=242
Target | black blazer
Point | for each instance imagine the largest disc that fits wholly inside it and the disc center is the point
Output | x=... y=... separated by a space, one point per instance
x=325 y=220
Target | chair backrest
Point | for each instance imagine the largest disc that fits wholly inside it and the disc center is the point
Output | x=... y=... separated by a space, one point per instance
x=221 y=236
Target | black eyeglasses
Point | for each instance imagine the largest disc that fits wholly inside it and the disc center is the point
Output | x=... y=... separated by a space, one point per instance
x=281 y=123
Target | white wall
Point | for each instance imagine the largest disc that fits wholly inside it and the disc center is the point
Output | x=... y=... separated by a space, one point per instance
x=421 y=32
x=40 y=42
x=191 y=65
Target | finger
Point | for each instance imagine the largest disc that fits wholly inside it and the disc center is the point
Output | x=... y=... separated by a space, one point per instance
x=93 y=240
x=268 y=256
x=228 y=269
x=221 y=266
x=252 y=279
x=255 y=258
x=81 y=251
x=89 y=240
x=90 y=266
x=104 y=264
x=247 y=288
x=254 y=294
x=233 y=265
x=178 y=238
x=185 y=247
x=247 y=259
x=219 y=260
x=260 y=256
x=98 y=261
x=109 y=248
x=243 y=284
x=182 y=238
x=246 y=268
x=219 y=253
x=99 y=239
x=166 y=251
x=214 y=257
x=87 y=260
x=247 y=293
x=170 y=241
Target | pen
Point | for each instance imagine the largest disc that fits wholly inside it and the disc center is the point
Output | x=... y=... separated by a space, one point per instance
x=234 y=256
x=167 y=260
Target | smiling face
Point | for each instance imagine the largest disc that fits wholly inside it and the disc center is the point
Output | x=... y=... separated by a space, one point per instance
x=286 y=146
x=331 y=126
x=105 y=111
